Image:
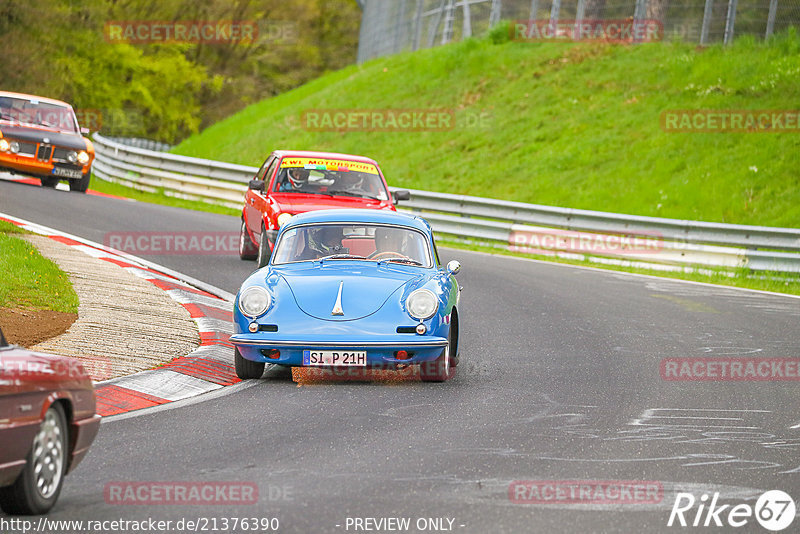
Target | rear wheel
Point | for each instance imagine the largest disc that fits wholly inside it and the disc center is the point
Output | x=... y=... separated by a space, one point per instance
x=263 y=249
x=247 y=250
x=49 y=181
x=246 y=369
x=37 y=488
x=82 y=185
x=441 y=369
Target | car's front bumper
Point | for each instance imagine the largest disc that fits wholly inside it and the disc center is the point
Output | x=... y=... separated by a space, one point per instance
x=381 y=350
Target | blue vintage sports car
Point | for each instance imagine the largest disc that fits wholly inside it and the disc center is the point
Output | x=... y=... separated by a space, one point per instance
x=350 y=288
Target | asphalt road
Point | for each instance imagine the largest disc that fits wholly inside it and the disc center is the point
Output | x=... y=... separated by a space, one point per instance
x=559 y=380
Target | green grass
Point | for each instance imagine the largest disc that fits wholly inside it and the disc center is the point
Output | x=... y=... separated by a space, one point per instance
x=158 y=197
x=29 y=280
x=573 y=125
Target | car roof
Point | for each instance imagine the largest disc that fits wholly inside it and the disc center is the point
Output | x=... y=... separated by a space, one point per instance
x=360 y=216
x=34 y=97
x=328 y=155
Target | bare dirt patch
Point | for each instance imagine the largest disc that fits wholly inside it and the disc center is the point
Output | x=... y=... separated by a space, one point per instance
x=28 y=327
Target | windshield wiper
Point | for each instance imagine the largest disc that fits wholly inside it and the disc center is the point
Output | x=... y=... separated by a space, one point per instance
x=401 y=260
x=350 y=194
x=342 y=257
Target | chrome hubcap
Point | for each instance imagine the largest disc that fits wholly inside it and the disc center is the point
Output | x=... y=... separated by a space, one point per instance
x=48 y=455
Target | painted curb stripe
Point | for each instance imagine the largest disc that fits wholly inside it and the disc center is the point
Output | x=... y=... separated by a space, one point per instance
x=208 y=368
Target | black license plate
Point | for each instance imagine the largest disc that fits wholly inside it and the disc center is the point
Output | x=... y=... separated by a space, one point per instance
x=65 y=172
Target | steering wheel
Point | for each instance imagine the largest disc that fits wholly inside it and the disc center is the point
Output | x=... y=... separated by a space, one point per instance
x=387 y=254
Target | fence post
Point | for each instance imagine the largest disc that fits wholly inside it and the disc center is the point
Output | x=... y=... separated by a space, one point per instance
x=773 y=7
x=466 y=27
x=706 y=21
x=417 y=25
x=554 y=11
x=639 y=13
x=729 y=21
x=534 y=9
x=579 y=13
x=447 y=32
x=494 y=13
x=435 y=25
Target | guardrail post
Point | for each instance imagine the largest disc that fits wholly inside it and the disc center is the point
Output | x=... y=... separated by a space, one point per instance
x=730 y=20
x=706 y=21
x=554 y=13
x=494 y=13
x=417 y=25
x=447 y=33
x=773 y=7
x=466 y=28
x=534 y=9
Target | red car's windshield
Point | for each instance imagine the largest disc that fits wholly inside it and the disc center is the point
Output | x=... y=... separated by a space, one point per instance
x=330 y=177
x=36 y=113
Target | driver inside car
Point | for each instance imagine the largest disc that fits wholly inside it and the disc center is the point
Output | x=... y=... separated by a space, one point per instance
x=296 y=180
x=389 y=242
x=321 y=242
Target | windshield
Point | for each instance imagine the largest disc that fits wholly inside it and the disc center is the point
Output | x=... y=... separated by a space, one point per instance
x=369 y=242
x=37 y=113
x=318 y=176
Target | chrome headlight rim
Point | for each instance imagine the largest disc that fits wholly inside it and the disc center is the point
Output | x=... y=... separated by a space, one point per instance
x=83 y=157
x=252 y=309
x=13 y=147
x=416 y=295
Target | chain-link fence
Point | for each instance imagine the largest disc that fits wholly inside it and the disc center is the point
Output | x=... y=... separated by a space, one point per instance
x=390 y=26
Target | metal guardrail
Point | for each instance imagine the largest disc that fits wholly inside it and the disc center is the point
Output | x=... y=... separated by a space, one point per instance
x=544 y=230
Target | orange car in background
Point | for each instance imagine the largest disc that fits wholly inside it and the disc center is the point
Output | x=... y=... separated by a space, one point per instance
x=41 y=137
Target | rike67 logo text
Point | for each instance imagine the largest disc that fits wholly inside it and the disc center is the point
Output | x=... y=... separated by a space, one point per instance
x=774 y=510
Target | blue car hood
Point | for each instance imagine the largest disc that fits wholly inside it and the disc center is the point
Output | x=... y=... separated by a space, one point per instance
x=365 y=287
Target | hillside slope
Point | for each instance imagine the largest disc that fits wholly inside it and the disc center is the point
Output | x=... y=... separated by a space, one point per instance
x=575 y=125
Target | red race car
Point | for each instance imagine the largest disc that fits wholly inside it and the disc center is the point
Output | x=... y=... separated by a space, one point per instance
x=292 y=182
x=47 y=423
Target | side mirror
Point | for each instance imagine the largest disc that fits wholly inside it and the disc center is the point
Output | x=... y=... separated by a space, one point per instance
x=257 y=185
x=401 y=194
x=85 y=131
x=453 y=266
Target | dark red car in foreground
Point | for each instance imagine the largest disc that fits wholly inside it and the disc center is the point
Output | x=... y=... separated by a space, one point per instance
x=292 y=182
x=47 y=423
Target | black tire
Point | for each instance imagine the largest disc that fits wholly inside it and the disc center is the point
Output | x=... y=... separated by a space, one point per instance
x=32 y=493
x=245 y=369
x=263 y=249
x=82 y=185
x=441 y=369
x=247 y=250
x=49 y=181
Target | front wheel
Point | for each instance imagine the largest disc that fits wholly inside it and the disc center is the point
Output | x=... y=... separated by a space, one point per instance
x=37 y=488
x=247 y=250
x=441 y=369
x=246 y=369
x=82 y=185
x=49 y=181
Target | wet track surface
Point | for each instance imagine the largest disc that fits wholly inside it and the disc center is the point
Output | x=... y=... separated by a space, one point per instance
x=559 y=380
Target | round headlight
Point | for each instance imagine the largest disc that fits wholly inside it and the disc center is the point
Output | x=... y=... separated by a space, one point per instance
x=254 y=301
x=3 y=145
x=13 y=147
x=283 y=218
x=83 y=157
x=72 y=156
x=422 y=304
